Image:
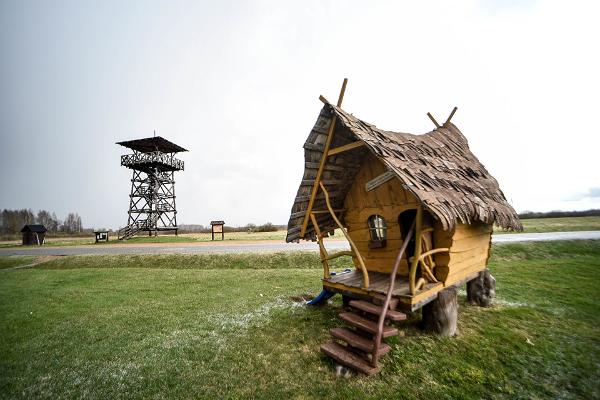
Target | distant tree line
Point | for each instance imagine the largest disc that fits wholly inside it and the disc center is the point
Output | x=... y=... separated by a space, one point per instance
x=267 y=227
x=12 y=221
x=559 y=214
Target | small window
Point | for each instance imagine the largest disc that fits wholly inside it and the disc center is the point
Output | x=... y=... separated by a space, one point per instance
x=378 y=231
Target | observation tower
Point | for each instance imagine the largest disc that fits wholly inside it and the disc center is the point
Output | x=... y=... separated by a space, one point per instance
x=152 y=198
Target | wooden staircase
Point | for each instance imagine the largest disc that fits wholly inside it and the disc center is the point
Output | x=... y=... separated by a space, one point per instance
x=370 y=320
x=354 y=346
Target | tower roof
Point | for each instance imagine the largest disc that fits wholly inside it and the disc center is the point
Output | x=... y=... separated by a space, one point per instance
x=148 y=145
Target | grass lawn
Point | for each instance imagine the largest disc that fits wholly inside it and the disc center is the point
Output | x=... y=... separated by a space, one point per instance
x=16 y=261
x=225 y=326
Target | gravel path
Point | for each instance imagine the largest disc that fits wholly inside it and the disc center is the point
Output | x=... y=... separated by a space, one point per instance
x=256 y=246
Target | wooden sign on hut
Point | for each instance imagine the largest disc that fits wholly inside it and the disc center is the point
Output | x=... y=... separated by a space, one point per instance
x=417 y=211
x=33 y=234
x=217 y=227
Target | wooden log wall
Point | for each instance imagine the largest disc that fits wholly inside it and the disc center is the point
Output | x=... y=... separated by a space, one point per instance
x=469 y=244
x=387 y=200
x=469 y=251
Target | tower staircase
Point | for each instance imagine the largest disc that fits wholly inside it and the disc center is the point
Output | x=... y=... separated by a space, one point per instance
x=138 y=226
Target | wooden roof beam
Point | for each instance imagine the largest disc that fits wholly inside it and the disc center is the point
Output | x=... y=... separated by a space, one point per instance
x=433 y=120
x=346 y=147
x=451 y=115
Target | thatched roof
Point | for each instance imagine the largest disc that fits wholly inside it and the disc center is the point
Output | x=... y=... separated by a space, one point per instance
x=437 y=168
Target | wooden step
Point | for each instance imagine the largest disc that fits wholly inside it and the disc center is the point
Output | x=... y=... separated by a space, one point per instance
x=357 y=341
x=376 y=310
x=344 y=356
x=379 y=299
x=367 y=325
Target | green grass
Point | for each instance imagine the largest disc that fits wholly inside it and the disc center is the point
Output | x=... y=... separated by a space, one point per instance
x=228 y=261
x=566 y=224
x=222 y=326
x=15 y=261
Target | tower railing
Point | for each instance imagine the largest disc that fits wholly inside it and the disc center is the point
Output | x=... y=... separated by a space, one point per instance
x=156 y=157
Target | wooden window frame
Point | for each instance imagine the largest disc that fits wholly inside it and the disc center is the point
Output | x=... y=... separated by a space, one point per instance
x=377 y=241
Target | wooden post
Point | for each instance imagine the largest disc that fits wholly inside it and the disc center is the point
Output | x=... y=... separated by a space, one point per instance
x=315 y=188
x=451 y=115
x=481 y=290
x=322 y=250
x=440 y=316
x=413 y=266
x=433 y=120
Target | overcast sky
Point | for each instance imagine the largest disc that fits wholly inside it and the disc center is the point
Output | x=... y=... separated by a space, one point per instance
x=237 y=83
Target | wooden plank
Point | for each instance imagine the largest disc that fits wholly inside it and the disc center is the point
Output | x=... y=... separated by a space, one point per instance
x=344 y=356
x=328 y=167
x=327 y=182
x=367 y=325
x=453 y=279
x=469 y=244
x=465 y=257
x=343 y=288
x=357 y=341
x=314 y=147
x=346 y=147
x=379 y=180
x=377 y=310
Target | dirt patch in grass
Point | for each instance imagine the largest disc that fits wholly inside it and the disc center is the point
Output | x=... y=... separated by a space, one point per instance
x=302 y=298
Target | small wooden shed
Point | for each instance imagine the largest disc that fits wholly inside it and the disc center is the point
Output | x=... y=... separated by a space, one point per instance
x=417 y=211
x=33 y=234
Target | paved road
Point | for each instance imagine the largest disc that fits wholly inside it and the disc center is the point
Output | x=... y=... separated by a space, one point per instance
x=250 y=247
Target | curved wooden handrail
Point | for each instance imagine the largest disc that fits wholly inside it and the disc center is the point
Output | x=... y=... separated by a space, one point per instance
x=413 y=267
x=388 y=297
x=365 y=273
x=433 y=251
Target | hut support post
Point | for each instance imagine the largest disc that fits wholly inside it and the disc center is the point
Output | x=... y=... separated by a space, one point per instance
x=415 y=260
x=322 y=250
x=361 y=262
x=482 y=289
x=315 y=188
x=440 y=316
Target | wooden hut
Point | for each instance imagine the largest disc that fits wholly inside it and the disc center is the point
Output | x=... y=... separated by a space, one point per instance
x=33 y=234
x=417 y=211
